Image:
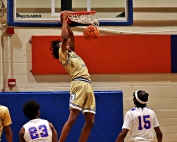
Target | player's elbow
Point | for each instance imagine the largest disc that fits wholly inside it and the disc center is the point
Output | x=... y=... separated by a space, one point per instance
x=123 y=135
x=65 y=36
x=64 y=39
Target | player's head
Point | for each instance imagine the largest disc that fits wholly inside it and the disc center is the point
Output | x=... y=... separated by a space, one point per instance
x=140 y=98
x=31 y=109
x=54 y=47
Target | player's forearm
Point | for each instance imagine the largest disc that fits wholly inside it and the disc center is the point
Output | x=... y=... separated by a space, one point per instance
x=65 y=33
x=120 y=138
x=8 y=136
x=159 y=137
x=122 y=135
x=71 y=34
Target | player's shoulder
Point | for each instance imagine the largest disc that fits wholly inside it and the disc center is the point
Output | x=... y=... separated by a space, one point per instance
x=36 y=121
x=149 y=109
x=45 y=121
x=137 y=109
x=3 y=108
x=61 y=52
x=72 y=53
x=132 y=109
x=40 y=119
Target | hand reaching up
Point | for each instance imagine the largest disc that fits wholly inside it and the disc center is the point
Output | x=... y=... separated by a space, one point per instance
x=64 y=15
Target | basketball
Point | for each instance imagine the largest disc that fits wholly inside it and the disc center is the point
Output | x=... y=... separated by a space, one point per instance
x=91 y=32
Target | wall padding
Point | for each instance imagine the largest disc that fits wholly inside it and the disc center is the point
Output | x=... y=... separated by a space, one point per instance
x=55 y=108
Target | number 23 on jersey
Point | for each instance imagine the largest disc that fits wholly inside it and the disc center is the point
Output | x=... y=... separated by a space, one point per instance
x=35 y=132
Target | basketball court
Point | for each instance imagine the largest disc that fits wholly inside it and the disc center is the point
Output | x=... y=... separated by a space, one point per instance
x=46 y=13
x=143 y=57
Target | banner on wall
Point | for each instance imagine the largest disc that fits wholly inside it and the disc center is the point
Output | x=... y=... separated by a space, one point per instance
x=111 y=54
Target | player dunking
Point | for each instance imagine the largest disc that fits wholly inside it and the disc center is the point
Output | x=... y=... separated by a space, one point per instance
x=81 y=91
x=140 y=121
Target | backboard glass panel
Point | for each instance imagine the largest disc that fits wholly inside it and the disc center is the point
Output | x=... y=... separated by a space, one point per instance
x=47 y=12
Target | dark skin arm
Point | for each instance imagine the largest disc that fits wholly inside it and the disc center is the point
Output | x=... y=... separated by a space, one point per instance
x=21 y=134
x=67 y=34
x=8 y=133
x=54 y=133
x=71 y=39
x=159 y=134
x=122 y=135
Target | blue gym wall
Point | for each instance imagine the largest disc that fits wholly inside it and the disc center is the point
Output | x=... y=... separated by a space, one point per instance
x=55 y=108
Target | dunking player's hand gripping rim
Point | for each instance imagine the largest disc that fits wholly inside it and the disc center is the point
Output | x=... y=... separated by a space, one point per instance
x=83 y=17
x=91 y=32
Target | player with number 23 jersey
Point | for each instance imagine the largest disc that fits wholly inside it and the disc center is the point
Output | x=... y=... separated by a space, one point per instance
x=37 y=130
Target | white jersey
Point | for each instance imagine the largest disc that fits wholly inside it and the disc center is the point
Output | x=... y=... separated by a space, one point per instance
x=141 y=123
x=37 y=130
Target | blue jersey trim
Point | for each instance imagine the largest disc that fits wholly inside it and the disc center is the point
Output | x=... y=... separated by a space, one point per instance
x=132 y=109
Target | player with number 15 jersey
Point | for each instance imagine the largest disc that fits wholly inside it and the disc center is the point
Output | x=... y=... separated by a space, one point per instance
x=140 y=121
x=143 y=121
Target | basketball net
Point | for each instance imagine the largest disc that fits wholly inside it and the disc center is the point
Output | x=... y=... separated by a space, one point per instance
x=84 y=17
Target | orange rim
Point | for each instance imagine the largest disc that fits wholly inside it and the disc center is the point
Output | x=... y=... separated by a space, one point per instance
x=82 y=12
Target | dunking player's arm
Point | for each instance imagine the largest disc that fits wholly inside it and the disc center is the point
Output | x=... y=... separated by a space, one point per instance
x=67 y=34
x=71 y=39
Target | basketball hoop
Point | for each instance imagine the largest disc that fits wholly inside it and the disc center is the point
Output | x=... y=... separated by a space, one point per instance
x=84 y=17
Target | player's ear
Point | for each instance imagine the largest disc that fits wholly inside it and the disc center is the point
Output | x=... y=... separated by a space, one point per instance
x=38 y=113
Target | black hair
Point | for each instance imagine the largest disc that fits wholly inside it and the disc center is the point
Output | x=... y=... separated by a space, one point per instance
x=54 y=47
x=31 y=109
x=143 y=96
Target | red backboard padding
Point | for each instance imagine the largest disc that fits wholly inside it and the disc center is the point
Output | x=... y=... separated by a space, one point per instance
x=108 y=54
